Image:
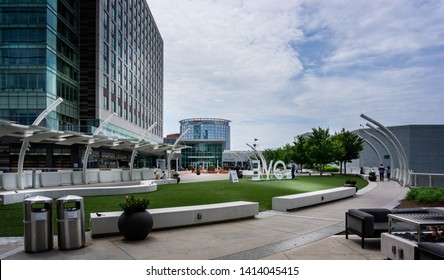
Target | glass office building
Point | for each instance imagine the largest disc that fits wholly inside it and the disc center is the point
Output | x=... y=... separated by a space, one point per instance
x=121 y=68
x=102 y=57
x=39 y=61
x=207 y=138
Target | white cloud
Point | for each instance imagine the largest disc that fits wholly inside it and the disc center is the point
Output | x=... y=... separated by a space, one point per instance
x=276 y=69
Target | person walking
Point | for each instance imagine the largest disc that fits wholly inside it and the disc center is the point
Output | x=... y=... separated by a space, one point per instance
x=293 y=170
x=388 y=173
x=381 y=172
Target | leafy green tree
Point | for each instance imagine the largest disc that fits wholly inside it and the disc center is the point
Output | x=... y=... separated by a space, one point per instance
x=285 y=153
x=322 y=148
x=351 y=145
x=270 y=154
x=288 y=153
x=301 y=149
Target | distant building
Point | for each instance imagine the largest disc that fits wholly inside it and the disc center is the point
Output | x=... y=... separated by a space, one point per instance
x=171 y=138
x=423 y=145
x=241 y=159
x=207 y=139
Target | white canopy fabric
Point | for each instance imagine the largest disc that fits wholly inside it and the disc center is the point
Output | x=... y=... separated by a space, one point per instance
x=37 y=134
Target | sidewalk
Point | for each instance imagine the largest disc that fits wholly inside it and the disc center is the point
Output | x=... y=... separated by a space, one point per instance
x=306 y=234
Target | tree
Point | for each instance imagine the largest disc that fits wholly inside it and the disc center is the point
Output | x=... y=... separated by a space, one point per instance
x=301 y=156
x=321 y=147
x=352 y=145
x=270 y=154
x=285 y=153
x=288 y=153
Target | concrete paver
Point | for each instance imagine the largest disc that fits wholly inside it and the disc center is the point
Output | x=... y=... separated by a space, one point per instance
x=308 y=233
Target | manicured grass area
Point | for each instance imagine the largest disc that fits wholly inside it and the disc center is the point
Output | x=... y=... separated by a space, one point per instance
x=184 y=194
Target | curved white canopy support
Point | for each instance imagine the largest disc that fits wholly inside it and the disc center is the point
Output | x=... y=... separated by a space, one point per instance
x=373 y=148
x=261 y=156
x=173 y=150
x=88 y=150
x=385 y=147
x=134 y=153
x=386 y=132
x=25 y=143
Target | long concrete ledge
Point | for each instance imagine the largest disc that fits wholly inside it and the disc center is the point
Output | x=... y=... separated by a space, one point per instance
x=105 y=223
x=295 y=201
x=11 y=197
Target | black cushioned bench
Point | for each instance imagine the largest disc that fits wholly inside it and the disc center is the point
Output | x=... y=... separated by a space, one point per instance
x=429 y=251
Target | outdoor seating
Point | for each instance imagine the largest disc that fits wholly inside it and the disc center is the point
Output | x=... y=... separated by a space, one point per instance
x=372 y=222
x=366 y=223
x=429 y=251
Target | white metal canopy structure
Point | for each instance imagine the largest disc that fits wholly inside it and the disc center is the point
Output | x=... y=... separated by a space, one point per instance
x=39 y=134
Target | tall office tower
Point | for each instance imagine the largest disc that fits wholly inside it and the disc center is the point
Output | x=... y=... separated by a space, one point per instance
x=121 y=68
x=39 y=61
x=100 y=56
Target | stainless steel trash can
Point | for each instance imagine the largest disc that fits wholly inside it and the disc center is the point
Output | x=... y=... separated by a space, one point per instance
x=38 y=224
x=70 y=222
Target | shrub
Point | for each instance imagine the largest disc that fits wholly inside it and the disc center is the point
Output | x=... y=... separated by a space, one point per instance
x=329 y=168
x=349 y=181
x=211 y=168
x=132 y=204
x=426 y=194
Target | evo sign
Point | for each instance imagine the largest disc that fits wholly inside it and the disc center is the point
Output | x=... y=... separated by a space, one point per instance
x=278 y=172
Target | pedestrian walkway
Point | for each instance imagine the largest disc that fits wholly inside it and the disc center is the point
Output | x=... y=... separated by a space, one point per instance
x=310 y=233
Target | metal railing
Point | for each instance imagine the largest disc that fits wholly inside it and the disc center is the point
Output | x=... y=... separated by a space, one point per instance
x=416 y=179
x=427 y=179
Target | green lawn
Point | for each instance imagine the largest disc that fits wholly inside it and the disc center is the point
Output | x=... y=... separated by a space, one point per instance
x=183 y=194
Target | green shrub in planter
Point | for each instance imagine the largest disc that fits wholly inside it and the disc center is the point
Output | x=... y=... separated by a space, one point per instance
x=426 y=194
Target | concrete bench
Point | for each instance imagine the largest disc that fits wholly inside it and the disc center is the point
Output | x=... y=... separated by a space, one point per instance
x=295 y=201
x=105 y=223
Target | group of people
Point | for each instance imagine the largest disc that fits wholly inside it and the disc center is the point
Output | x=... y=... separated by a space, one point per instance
x=160 y=174
x=382 y=171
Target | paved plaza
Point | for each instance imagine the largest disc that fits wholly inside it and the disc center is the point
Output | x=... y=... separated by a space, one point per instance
x=311 y=233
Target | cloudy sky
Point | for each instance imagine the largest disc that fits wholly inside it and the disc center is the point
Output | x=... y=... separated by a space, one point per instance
x=277 y=69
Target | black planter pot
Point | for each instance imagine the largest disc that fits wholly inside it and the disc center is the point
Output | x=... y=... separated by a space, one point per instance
x=135 y=226
x=351 y=186
x=372 y=178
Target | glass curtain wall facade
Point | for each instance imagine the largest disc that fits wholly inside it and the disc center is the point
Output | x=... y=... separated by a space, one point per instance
x=100 y=56
x=39 y=61
x=207 y=138
x=121 y=68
